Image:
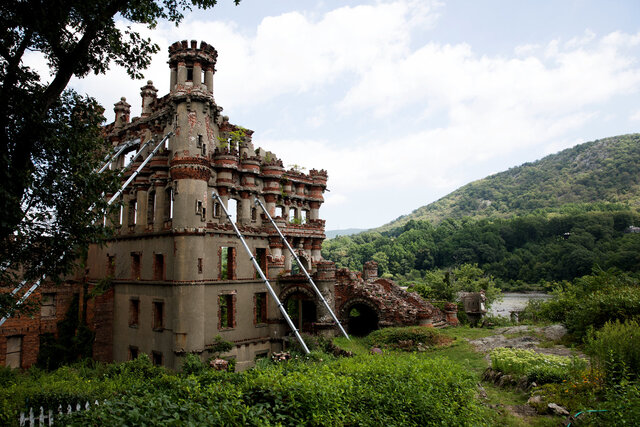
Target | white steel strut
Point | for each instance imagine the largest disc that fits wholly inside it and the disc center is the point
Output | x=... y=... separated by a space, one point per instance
x=306 y=273
x=131 y=178
x=264 y=278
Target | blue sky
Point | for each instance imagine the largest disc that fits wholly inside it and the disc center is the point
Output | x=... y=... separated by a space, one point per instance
x=403 y=101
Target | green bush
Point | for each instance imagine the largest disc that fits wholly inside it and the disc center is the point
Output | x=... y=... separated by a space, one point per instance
x=616 y=350
x=541 y=368
x=412 y=338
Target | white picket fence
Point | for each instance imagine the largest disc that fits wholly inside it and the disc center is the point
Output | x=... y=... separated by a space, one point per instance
x=46 y=416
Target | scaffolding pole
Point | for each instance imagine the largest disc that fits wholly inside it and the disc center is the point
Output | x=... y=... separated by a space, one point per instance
x=306 y=273
x=118 y=150
x=264 y=278
x=131 y=178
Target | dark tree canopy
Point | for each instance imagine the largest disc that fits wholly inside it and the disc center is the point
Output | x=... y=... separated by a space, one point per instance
x=51 y=203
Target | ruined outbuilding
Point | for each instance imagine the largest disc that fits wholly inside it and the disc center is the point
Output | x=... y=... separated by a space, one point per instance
x=178 y=274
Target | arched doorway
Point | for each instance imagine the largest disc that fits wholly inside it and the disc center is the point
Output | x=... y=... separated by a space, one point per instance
x=302 y=310
x=362 y=319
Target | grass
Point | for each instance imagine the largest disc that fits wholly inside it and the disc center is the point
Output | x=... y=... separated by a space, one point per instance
x=500 y=400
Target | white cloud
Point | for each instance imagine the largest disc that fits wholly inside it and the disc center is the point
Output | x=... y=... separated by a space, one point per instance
x=635 y=116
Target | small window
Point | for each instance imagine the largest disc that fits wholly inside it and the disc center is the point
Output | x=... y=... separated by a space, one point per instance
x=227 y=262
x=158 y=267
x=189 y=74
x=261 y=258
x=151 y=207
x=232 y=208
x=216 y=209
x=168 y=204
x=292 y=214
x=136 y=265
x=48 y=305
x=305 y=216
x=121 y=215
x=260 y=308
x=111 y=265
x=134 y=312
x=133 y=211
x=226 y=311
x=156 y=358
x=199 y=265
x=199 y=143
x=254 y=214
x=133 y=352
x=14 y=352
x=158 y=315
x=279 y=211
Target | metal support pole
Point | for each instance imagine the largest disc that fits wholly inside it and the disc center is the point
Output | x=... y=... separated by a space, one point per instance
x=306 y=273
x=119 y=149
x=137 y=171
x=131 y=178
x=264 y=278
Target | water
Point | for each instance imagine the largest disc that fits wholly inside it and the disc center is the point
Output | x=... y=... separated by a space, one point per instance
x=513 y=301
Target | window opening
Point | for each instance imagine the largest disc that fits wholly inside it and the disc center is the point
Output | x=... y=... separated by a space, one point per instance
x=48 y=305
x=158 y=267
x=14 y=352
x=158 y=315
x=279 y=211
x=120 y=217
x=216 y=209
x=134 y=312
x=305 y=216
x=156 y=358
x=292 y=214
x=111 y=265
x=133 y=352
x=254 y=214
x=136 y=266
x=133 y=210
x=189 y=74
x=260 y=308
x=227 y=262
x=199 y=265
x=232 y=208
x=151 y=207
x=226 y=310
x=261 y=258
x=168 y=203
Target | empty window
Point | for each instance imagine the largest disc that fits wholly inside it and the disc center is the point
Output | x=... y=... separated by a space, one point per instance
x=14 y=352
x=48 y=305
x=133 y=210
x=305 y=216
x=151 y=207
x=134 y=312
x=133 y=352
x=136 y=266
x=158 y=315
x=279 y=211
x=232 y=208
x=260 y=308
x=189 y=74
x=216 y=209
x=227 y=261
x=226 y=311
x=168 y=204
x=128 y=158
x=292 y=214
x=261 y=258
x=199 y=265
x=158 y=267
x=156 y=358
x=121 y=215
x=254 y=214
x=111 y=265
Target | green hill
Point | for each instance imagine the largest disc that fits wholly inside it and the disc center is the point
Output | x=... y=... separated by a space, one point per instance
x=605 y=170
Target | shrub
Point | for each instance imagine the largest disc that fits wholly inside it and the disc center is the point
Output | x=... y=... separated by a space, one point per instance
x=541 y=368
x=414 y=338
x=616 y=350
x=192 y=365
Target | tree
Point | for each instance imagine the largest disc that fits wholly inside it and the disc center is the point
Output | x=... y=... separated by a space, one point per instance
x=51 y=203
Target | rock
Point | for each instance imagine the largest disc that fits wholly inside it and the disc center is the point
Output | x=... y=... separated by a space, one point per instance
x=482 y=393
x=554 y=332
x=219 y=364
x=375 y=350
x=557 y=410
x=534 y=400
x=505 y=380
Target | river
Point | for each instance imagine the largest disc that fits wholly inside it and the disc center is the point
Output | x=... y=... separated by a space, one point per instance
x=514 y=301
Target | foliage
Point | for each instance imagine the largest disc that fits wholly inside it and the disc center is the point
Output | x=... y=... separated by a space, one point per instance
x=363 y=390
x=615 y=349
x=407 y=338
x=448 y=284
x=533 y=250
x=220 y=345
x=193 y=364
x=51 y=200
x=541 y=368
x=591 y=301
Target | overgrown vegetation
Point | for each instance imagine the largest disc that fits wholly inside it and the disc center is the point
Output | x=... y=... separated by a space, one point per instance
x=363 y=390
x=407 y=339
x=537 y=367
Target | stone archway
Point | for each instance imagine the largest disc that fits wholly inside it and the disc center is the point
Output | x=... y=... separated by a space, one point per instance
x=301 y=305
x=361 y=317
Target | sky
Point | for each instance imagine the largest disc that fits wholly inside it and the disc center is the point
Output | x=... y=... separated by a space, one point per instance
x=403 y=101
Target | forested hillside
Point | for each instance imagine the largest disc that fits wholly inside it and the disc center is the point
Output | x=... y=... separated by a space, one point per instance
x=603 y=170
x=554 y=219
